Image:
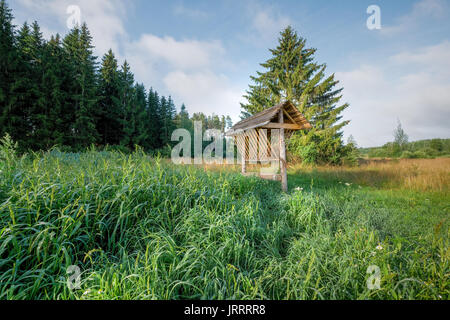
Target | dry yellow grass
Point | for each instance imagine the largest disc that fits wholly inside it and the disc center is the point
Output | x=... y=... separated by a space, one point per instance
x=412 y=174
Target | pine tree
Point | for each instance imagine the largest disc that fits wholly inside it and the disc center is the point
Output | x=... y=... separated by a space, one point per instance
x=164 y=114
x=39 y=109
x=54 y=82
x=171 y=114
x=140 y=136
x=127 y=98
x=78 y=45
x=168 y=113
x=154 y=124
x=182 y=119
x=229 y=122
x=22 y=91
x=10 y=116
x=109 y=113
x=291 y=74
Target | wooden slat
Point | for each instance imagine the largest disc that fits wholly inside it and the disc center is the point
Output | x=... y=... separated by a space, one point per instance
x=289 y=126
x=283 y=164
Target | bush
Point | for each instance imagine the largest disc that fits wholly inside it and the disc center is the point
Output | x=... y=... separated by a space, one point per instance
x=408 y=155
x=437 y=145
x=309 y=154
x=429 y=152
x=420 y=155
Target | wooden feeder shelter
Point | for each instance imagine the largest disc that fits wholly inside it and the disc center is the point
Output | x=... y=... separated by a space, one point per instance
x=262 y=138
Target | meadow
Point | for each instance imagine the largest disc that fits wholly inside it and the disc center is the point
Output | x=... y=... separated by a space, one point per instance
x=141 y=228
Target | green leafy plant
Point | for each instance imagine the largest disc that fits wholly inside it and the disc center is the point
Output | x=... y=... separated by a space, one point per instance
x=8 y=152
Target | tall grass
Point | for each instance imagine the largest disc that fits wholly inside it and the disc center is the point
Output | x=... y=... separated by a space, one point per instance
x=411 y=174
x=140 y=228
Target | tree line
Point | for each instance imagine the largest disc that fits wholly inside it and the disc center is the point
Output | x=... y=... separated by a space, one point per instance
x=402 y=148
x=56 y=92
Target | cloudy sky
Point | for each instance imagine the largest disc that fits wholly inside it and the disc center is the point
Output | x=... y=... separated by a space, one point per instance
x=203 y=52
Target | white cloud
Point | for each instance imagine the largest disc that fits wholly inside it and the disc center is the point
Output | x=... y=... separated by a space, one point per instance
x=433 y=58
x=205 y=92
x=185 y=54
x=266 y=23
x=188 y=70
x=104 y=18
x=421 y=10
x=419 y=98
x=181 y=10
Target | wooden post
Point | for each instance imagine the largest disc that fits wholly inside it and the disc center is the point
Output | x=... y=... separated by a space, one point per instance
x=283 y=164
x=244 y=168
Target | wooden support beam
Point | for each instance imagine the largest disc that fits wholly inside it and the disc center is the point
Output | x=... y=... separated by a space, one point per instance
x=289 y=126
x=244 y=167
x=283 y=164
x=287 y=115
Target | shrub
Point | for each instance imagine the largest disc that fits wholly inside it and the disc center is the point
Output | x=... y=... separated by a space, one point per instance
x=420 y=155
x=309 y=154
x=437 y=145
x=408 y=155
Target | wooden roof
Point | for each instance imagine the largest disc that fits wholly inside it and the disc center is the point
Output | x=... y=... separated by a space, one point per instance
x=269 y=119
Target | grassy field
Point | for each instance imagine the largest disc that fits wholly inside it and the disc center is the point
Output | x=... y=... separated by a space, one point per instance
x=140 y=228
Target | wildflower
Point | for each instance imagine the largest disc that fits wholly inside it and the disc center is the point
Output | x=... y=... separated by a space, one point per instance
x=100 y=291
x=348 y=184
x=298 y=189
x=87 y=292
x=379 y=247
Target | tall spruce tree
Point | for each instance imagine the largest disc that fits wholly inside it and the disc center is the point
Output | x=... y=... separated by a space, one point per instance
x=154 y=124
x=164 y=114
x=229 y=122
x=182 y=119
x=10 y=116
x=292 y=74
x=39 y=109
x=127 y=99
x=141 y=137
x=168 y=113
x=110 y=112
x=23 y=90
x=78 y=45
x=54 y=90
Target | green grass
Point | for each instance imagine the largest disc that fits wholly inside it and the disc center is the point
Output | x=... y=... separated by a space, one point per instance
x=139 y=228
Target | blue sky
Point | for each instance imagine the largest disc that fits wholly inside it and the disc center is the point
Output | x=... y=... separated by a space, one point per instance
x=203 y=52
